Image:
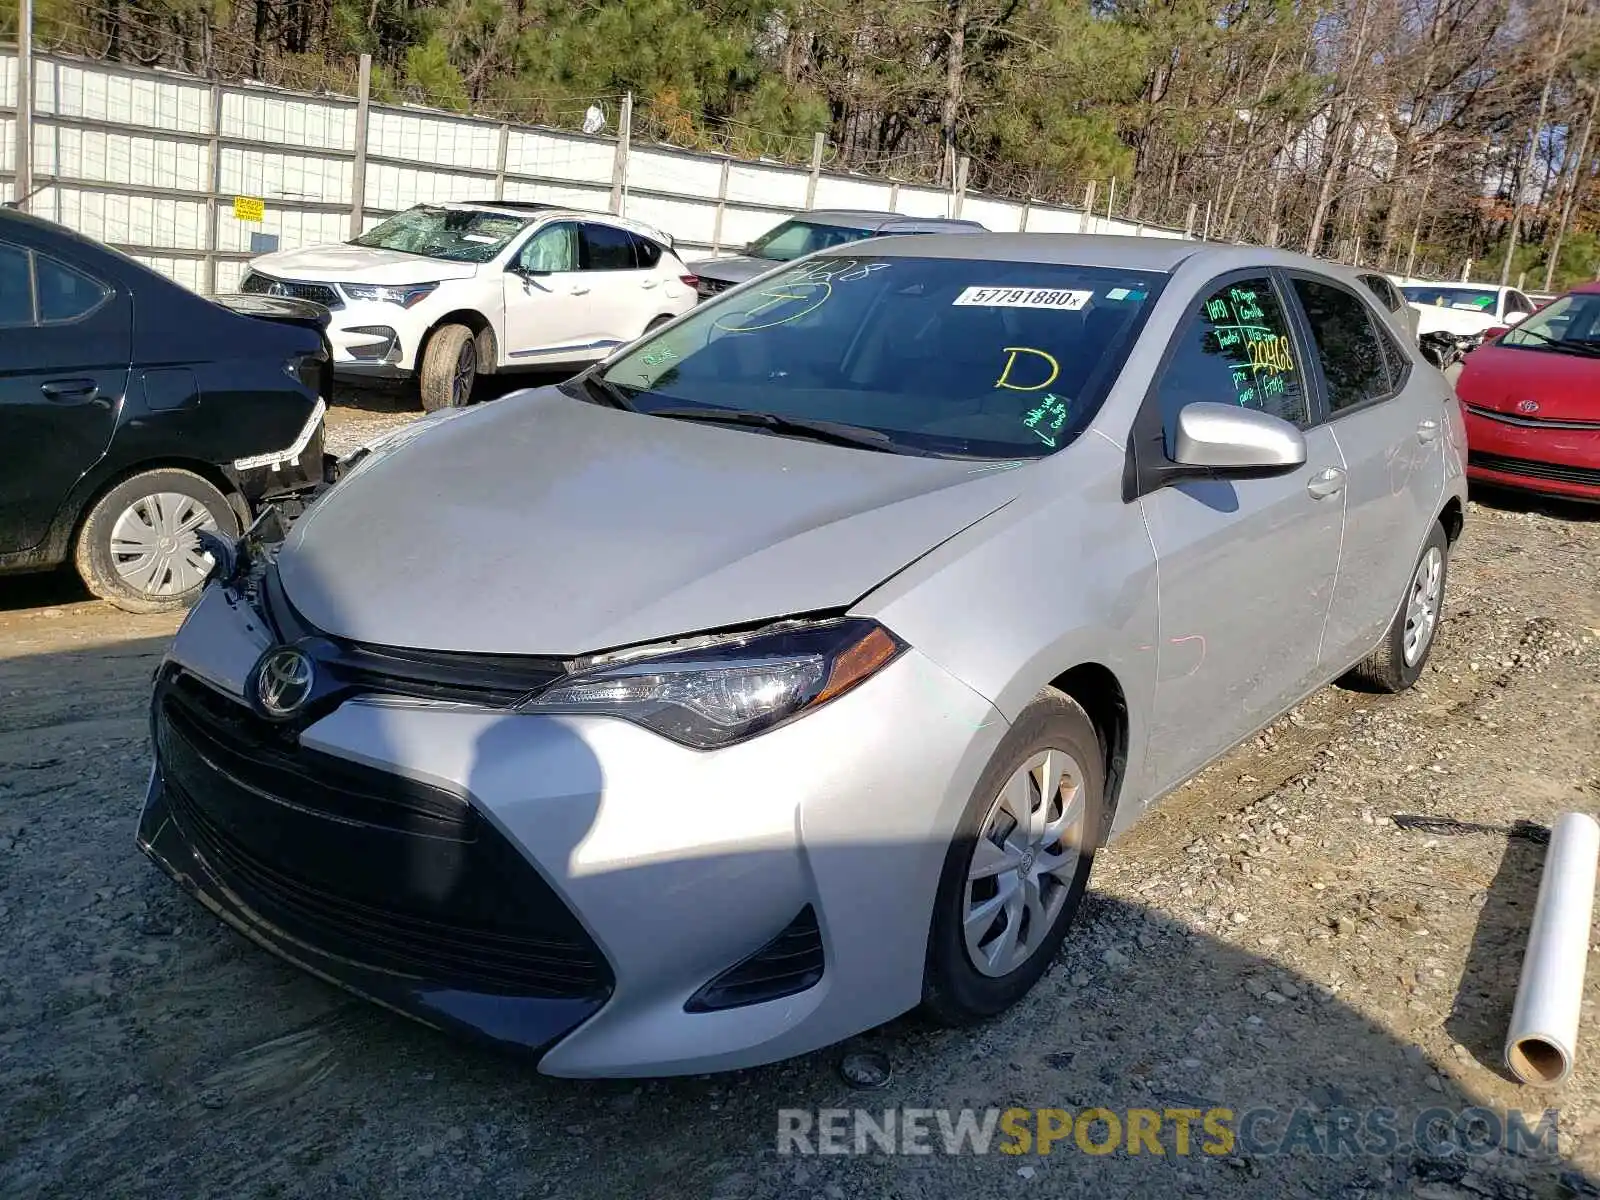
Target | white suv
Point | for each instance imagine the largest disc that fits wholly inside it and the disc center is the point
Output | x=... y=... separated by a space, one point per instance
x=451 y=291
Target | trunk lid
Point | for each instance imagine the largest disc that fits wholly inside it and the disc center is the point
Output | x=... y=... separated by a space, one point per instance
x=281 y=310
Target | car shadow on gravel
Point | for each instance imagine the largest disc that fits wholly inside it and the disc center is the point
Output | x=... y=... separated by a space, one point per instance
x=42 y=590
x=1512 y=500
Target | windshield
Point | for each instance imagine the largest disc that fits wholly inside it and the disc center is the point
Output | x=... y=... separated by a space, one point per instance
x=1470 y=298
x=1569 y=325
x=453 y=234
x=941 y=356
x=796 y=239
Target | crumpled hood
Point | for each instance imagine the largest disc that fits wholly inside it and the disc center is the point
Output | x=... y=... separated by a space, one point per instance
x=736 y=269
x=342 y=263
x=543 y=525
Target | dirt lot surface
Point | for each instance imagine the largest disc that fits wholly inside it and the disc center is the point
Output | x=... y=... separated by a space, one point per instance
x=1269 y=937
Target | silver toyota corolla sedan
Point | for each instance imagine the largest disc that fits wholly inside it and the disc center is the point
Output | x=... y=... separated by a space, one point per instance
x=783 y=673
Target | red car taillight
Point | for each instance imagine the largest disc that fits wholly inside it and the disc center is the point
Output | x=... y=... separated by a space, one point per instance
x=692 y=281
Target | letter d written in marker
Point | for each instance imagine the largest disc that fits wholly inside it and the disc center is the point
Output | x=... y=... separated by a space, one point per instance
x=1011 y=361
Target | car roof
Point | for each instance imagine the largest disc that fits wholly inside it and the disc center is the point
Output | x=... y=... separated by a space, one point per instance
x=537 y=208
x=1092 y=250
x=519 y=208
x=875 y=218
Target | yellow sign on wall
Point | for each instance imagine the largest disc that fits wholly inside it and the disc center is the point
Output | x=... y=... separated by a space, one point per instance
x=249 y=208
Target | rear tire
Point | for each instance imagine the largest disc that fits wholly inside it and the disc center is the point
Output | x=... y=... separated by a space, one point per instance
x=449 y=368
x=985 y=895
x=137 y=547
x=1398 y=661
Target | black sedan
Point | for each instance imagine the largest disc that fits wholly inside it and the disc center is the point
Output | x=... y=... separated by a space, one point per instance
x=134 y=413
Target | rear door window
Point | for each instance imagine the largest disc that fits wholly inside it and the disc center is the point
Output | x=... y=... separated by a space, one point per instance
x=645 y=252
x=16 y=287
x=1348 y=342
x=1235 y=349
x=607 y=248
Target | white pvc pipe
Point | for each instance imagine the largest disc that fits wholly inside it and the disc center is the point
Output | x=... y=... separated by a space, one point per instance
x=1543 y=1038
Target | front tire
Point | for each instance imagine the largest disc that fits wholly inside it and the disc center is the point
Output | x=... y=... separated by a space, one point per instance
x=1398 y=661
x=137 y=548
x=449 y=368
x=1017 y=869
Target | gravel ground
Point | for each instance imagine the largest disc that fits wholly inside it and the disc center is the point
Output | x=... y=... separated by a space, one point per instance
x=1269 y=937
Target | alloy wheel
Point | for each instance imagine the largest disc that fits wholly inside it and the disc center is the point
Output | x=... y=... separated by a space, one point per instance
x=466 y=369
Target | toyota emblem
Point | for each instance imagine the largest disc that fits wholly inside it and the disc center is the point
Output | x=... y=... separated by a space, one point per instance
x=283 y=681
x=1527 y=406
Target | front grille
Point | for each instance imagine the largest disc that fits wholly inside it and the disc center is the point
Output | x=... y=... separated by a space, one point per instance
x=788 y=964
x=264 y=285
x=493 y=680
x=360 y=864
x=266 y=758
x=1558 y=472
x=1530 y=422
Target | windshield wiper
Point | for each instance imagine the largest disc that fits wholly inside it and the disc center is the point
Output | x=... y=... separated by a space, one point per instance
x=1582 y=348
x=607 y=392
x=835 y=432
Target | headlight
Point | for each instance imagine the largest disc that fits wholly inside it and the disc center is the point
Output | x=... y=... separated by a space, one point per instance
x=403 y=294
x=721 y=691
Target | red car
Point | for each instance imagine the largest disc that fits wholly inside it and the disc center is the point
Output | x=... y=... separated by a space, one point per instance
x=1532 y=401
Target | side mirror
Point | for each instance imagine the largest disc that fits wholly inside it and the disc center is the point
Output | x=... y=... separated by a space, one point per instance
x=1511 y=318
x=1224 y=439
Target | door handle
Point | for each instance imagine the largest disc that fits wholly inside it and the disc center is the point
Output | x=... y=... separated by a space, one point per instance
x=70 y=389
x=1427 y=430
x=1326 y=483
x=578 y=290
x=647 y=283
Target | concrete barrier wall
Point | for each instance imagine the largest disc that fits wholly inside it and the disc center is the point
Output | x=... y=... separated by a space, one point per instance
x=150 y=162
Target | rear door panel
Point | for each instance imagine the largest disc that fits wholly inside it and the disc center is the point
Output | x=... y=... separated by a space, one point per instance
x=63 y=380
x=1392 y=444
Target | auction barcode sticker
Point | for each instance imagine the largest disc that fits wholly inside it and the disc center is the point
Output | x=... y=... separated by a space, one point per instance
x=1011 y=297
